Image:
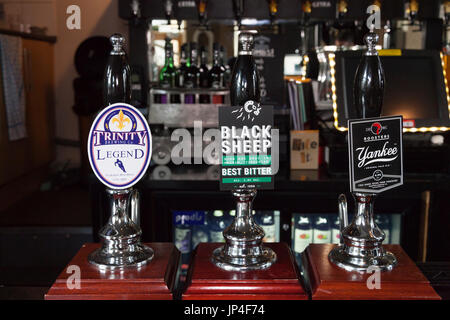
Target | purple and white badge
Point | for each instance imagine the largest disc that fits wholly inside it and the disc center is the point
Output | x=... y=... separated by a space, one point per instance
x=119 y=146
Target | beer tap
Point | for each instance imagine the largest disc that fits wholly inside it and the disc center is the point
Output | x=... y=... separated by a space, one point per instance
x=168 y=9
x=243 y=249
x=342 y=8
x=135 y=6
x=306 y=11
x=121 y=236
x=411 y=13
x=238 y=7
x=361 y=240
x=201 y=8
x=411 y=10
x=303 y=24
x=273 y=9
x=445 y=10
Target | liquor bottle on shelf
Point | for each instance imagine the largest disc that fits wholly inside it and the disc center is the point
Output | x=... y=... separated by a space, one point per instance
x=227 y=69
x=266 y=221
x=303 y=233
x=216 y=74
x=216 y=226
x=183 y=241
x=384 y=223
x=117 y=79
x=216 y=78
x=184 y=64
x=192 y=75
x=245 y=78
x=369 y=81
x=203 y=75
x=321 y=231
x=335 y=230
x=167 y=73
x=203 y=69
x=200 y=233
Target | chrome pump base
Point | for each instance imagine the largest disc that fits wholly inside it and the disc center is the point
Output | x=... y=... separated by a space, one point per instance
x=120 y=237
x=361 y=241
x=243 y=248
x=385 y=260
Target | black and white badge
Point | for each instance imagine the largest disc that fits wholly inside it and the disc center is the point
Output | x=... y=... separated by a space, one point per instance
x=246 y=144
x=376 y=154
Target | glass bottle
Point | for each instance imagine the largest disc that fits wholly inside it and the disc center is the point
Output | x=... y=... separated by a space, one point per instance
x=203 y=69
x=216 y=75
x=184 y=64
x=192 y=73
x=167 y=73
x=321 y=230
x=203 y=75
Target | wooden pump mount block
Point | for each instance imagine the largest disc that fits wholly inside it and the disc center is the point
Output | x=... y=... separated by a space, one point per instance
x=205 y=281
x=329 y=282
x=153 y=281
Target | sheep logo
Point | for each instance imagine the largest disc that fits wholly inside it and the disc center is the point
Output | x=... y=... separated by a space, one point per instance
x=249 y=111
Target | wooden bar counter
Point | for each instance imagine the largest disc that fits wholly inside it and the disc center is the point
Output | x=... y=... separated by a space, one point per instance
x=205 y=281
x=329 y=282
x=153 y=281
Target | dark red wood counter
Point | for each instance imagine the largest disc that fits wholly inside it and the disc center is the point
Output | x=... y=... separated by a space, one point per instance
x=281 y=281
x=153 y=281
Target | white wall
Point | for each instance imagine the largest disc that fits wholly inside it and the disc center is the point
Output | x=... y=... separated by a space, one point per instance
x=98 y=17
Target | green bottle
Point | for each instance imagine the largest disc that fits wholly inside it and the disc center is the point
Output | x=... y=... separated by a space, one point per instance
x=167 y=73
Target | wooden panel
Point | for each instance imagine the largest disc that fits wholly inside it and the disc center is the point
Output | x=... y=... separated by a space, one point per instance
x=152 y=281
x=329 y=282
x=25 y=155
x=40 y=101
x=279 y=282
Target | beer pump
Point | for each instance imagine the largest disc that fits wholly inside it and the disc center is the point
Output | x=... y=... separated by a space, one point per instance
x=361 y=240
x=120 y=237
x=243 y=249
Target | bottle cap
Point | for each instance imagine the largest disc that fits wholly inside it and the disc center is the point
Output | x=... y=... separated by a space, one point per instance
x=117 y=41
x=218 y=213
x=303 y=220
x=371 y=40
x=245 y=43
